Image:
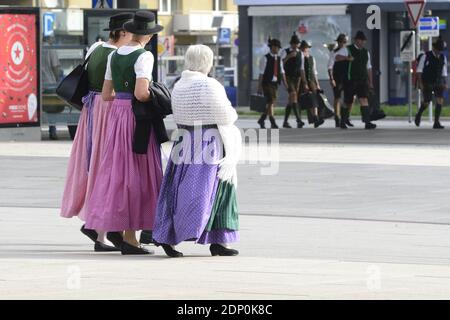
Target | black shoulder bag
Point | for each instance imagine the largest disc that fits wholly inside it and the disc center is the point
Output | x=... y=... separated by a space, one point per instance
x=74 y=86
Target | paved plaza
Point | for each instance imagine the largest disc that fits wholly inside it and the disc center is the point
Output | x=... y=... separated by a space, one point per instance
x=341 y=214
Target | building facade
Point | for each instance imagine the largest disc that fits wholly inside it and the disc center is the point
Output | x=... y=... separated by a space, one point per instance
x=320 y=22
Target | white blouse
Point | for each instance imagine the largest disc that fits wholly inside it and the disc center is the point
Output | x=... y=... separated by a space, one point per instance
x=143 y=66
x=97 y=44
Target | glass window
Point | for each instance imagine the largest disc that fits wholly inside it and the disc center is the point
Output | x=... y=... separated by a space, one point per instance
x=63 y=48
x=164 y=6
x=318 y=30
x=175 y=6
x=219 y=5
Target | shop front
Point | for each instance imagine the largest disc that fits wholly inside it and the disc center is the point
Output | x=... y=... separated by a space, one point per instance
x=320 y=24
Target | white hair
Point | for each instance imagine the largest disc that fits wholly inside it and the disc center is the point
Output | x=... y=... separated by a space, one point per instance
x=199 y=57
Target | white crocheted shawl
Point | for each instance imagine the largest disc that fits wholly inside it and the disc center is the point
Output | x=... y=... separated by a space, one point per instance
x=199 y=99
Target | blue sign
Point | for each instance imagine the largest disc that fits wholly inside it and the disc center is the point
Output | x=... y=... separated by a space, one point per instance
x=429 y=26
x=49 y=24
x=106 y=4
x=224 y=36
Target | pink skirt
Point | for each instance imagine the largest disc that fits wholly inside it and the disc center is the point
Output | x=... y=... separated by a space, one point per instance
x=81 y=171
x=127 y=186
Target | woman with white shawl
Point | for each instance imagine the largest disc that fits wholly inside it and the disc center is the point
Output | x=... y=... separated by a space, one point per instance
x=197 y=201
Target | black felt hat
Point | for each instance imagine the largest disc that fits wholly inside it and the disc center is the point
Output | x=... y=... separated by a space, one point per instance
x=360 y=35
x=439 y=45
x=294 y=39
x=144 y=23
x=117 y=21
x=341 y=37
x=274 y=43
x=305 y=44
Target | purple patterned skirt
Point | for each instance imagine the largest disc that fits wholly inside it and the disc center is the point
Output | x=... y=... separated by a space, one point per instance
x=189 y=190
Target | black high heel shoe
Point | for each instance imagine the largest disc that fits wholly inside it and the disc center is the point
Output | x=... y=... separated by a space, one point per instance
x=115 y=238
x=218 y=250
x=91 y=234
x=170 y=252
x=128 y=249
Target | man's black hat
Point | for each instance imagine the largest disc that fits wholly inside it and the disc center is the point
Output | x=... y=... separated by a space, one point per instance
x=439 y=45
x=144 y=23
x=305 y=44
x=341 y=37
x=117 y=21
x=294 y=39
x=360 y=35
x=274 y=43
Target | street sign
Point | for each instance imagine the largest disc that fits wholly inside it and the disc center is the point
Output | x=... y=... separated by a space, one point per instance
x=407 y=46
x=415 y=10
x=49 y=23
x=102 y=4
x=429 y=27
x=224 y=36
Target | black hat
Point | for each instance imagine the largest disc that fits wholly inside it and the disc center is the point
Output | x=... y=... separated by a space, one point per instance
x=143 y=24
x=274 y=43
x=117 y=21
x=360 y=35
x=305 y=44
x=341 y=37
x=294 y=39
x=439 y=45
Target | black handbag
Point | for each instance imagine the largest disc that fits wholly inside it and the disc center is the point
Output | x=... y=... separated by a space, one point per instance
x=306 y=101
x=258 y=103
x=325 y=109
x=74 y=86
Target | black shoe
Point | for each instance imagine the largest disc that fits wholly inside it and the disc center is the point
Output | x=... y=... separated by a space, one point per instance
x=91 y=234
x=318 y=123
x=261 y=124
x=115 y=238
x=128 y=249
x=170 y=252
x=218 y=250
x=101 y=247
x=337 y=122
x=146 y=237
x=273 y=123
x=417 y=120
x=287 y=125
x=348 y=123
x=370 y=126
x=437 y=125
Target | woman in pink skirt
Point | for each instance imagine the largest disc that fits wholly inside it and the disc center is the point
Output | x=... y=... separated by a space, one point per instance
x=88 y=144
x=127 y=186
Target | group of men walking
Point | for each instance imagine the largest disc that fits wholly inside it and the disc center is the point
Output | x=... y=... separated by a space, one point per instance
x=350 y=75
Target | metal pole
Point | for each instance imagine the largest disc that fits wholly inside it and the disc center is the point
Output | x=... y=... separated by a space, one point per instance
x=430 y=107
x=417 y=53
x=410 y=89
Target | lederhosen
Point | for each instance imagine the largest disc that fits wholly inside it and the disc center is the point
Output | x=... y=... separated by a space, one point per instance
x=357 y=75
x=270 y=87
x=340 y=70
x=432 y=76
x=292 y=70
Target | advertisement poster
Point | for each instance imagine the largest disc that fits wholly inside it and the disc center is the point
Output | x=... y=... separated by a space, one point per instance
x=18 y=69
